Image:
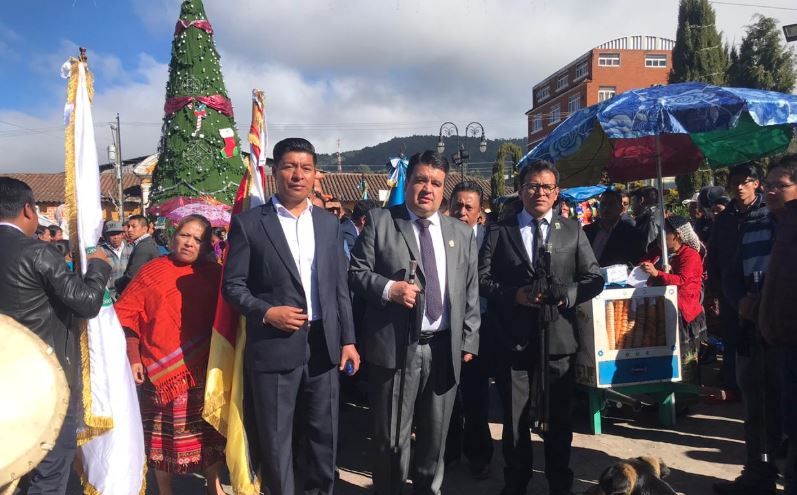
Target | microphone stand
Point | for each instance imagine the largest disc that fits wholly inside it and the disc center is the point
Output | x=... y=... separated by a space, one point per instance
x=548 y=313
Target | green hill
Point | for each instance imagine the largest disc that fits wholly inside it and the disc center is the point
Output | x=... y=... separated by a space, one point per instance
x=375 y=157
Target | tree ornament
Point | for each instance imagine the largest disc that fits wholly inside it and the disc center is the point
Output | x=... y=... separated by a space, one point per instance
x=190 y=85
x=230 y=150
x=200 y=112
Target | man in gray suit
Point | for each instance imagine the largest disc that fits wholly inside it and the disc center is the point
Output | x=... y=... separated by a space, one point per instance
x=415 y=336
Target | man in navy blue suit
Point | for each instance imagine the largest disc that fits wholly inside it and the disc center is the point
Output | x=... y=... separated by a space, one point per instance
x=287 y=273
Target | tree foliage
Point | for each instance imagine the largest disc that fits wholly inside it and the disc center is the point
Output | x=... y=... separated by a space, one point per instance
x=762 y=61
x=506 y=151
x=698 y=54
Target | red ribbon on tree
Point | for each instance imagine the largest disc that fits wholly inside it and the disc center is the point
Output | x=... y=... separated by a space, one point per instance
x=216 y=102
x=202 y=24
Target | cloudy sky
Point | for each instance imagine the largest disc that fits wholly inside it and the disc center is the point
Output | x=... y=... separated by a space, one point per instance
x=362 y=71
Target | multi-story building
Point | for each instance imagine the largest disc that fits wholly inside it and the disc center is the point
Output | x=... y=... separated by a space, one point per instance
x=606 y=70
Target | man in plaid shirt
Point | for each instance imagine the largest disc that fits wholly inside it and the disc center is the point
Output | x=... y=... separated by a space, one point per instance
x=117 y=250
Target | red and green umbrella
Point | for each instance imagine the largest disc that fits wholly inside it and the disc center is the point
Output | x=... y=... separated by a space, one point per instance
x=686 y=125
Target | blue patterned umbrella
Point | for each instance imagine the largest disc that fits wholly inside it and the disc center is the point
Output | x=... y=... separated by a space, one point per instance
x=679 y=127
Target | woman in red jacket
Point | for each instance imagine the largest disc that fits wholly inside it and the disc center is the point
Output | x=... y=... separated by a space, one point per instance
x=687 y=274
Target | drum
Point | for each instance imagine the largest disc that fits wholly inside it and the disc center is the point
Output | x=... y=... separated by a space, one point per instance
x=35 y=397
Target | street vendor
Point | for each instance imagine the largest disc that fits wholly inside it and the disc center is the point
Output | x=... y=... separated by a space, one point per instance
x=686 y=274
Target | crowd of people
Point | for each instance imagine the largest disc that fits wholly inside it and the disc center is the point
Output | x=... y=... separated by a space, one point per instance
x=429 y=302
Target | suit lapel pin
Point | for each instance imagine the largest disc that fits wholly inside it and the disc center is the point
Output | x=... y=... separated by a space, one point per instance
x=451 y=243
x=557 y=226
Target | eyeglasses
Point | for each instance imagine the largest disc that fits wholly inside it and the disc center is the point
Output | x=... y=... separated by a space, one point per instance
x=547 y=189
x=734 y=183
x=777 y=186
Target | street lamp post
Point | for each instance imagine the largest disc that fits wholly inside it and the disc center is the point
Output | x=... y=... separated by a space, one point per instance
x=461 y=156
x=790 y=32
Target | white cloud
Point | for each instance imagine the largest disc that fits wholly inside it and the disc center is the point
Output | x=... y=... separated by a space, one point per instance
x=359 y=70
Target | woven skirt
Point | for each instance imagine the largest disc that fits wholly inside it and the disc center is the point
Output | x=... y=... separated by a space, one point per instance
x=176 y=438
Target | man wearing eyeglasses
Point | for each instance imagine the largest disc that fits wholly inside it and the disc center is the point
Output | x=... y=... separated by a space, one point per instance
x=778 y=313
x=738 y=260
x=508 y=261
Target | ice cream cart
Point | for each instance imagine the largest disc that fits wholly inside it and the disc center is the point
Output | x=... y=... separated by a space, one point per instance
x=629 y=346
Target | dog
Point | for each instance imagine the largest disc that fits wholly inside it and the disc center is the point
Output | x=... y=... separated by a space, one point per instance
x=638 y=476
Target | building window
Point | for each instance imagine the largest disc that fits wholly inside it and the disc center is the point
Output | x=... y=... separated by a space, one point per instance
x=609 y=59
x=606 y=92
x=543 y=93
x=536 y=123
x=582 y=69
x=555 y=115
x=573 y=103
x=655 y=60
x=561 y=82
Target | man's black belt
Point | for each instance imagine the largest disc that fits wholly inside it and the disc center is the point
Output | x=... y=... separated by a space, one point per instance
x=428 y=338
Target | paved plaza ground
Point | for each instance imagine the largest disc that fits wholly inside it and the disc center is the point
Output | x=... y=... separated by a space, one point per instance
x=704 y=447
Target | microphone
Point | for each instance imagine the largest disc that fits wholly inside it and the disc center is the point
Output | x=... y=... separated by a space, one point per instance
x=413 y=268
x=548 y=248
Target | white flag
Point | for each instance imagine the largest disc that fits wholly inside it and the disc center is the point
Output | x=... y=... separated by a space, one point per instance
x=111 y=438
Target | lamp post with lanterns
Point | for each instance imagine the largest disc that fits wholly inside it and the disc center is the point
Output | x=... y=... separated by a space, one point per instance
x=461 y=156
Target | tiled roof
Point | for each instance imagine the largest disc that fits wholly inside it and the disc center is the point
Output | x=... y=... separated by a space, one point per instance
x=49 y=188
x=343 y=186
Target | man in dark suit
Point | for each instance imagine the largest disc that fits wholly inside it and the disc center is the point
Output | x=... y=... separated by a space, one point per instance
x=469 y=432
x=38 y=291
x=145 y=249
x=645 y=205
x=509 y=259
x=286 y=273
x=415 y=336
x=613 y=241
x=352 y=227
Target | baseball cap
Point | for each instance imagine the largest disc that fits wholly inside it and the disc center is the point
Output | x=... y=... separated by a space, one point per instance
x=112 y=226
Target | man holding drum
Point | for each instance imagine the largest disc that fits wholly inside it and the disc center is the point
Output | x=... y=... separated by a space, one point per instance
x=38 y=291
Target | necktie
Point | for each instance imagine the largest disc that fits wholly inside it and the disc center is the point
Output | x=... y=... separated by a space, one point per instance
x=537 y=241
x=434 y=300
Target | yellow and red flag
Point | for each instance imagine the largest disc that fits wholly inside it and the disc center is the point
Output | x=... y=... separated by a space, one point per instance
x=225 y=380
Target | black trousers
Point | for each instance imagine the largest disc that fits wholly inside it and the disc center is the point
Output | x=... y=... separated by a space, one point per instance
x=513 y=387
x=469 y=431
x=296 y=418
x=51 y=475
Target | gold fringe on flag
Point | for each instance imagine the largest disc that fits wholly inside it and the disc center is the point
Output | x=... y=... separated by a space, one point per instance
x=95 y=425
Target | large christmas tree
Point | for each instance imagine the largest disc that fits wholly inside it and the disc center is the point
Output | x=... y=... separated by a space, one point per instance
x=199 y=152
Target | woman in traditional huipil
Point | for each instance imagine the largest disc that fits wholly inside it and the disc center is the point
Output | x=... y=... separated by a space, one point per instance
x=167 y=312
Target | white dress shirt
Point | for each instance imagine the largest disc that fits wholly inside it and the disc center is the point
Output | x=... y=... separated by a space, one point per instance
x=436 y=233
x=524 y=219
x=301 y=240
